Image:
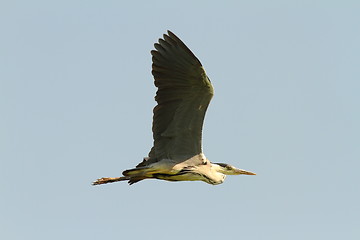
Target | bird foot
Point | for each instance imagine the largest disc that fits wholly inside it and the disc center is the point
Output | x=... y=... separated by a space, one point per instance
x=108 y=180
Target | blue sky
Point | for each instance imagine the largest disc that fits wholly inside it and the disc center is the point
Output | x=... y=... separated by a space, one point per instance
x=76 y=99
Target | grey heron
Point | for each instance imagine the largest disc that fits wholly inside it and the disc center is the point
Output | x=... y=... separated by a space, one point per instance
x=183 y=95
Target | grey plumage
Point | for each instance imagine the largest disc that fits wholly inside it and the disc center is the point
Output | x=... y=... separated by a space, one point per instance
x=183 y=95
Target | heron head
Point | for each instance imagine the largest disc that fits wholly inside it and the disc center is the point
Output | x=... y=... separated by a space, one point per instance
x=231 y=170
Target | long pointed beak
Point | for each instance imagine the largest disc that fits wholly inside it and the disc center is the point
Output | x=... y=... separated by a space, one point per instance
x=240 y=171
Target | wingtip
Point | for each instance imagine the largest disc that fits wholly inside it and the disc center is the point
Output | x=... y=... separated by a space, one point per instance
x=172 y=35
x=169 y=34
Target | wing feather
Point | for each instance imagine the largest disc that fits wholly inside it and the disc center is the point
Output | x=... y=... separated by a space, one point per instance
x=183 y=95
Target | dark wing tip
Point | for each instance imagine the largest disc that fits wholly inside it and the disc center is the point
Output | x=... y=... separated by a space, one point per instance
x=172 y=38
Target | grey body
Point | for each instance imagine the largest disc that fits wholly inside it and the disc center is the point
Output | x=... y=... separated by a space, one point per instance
x=183 y=95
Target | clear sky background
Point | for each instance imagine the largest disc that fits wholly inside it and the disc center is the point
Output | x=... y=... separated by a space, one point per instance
x=76 y=99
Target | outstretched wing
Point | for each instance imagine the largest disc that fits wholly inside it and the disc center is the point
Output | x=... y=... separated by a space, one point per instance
x=184 y=93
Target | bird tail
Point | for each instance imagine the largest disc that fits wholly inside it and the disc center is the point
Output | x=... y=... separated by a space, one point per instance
x=137 y=174
x=139 y=171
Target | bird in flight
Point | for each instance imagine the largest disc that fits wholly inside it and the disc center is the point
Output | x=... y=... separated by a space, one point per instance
x=183 y=95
